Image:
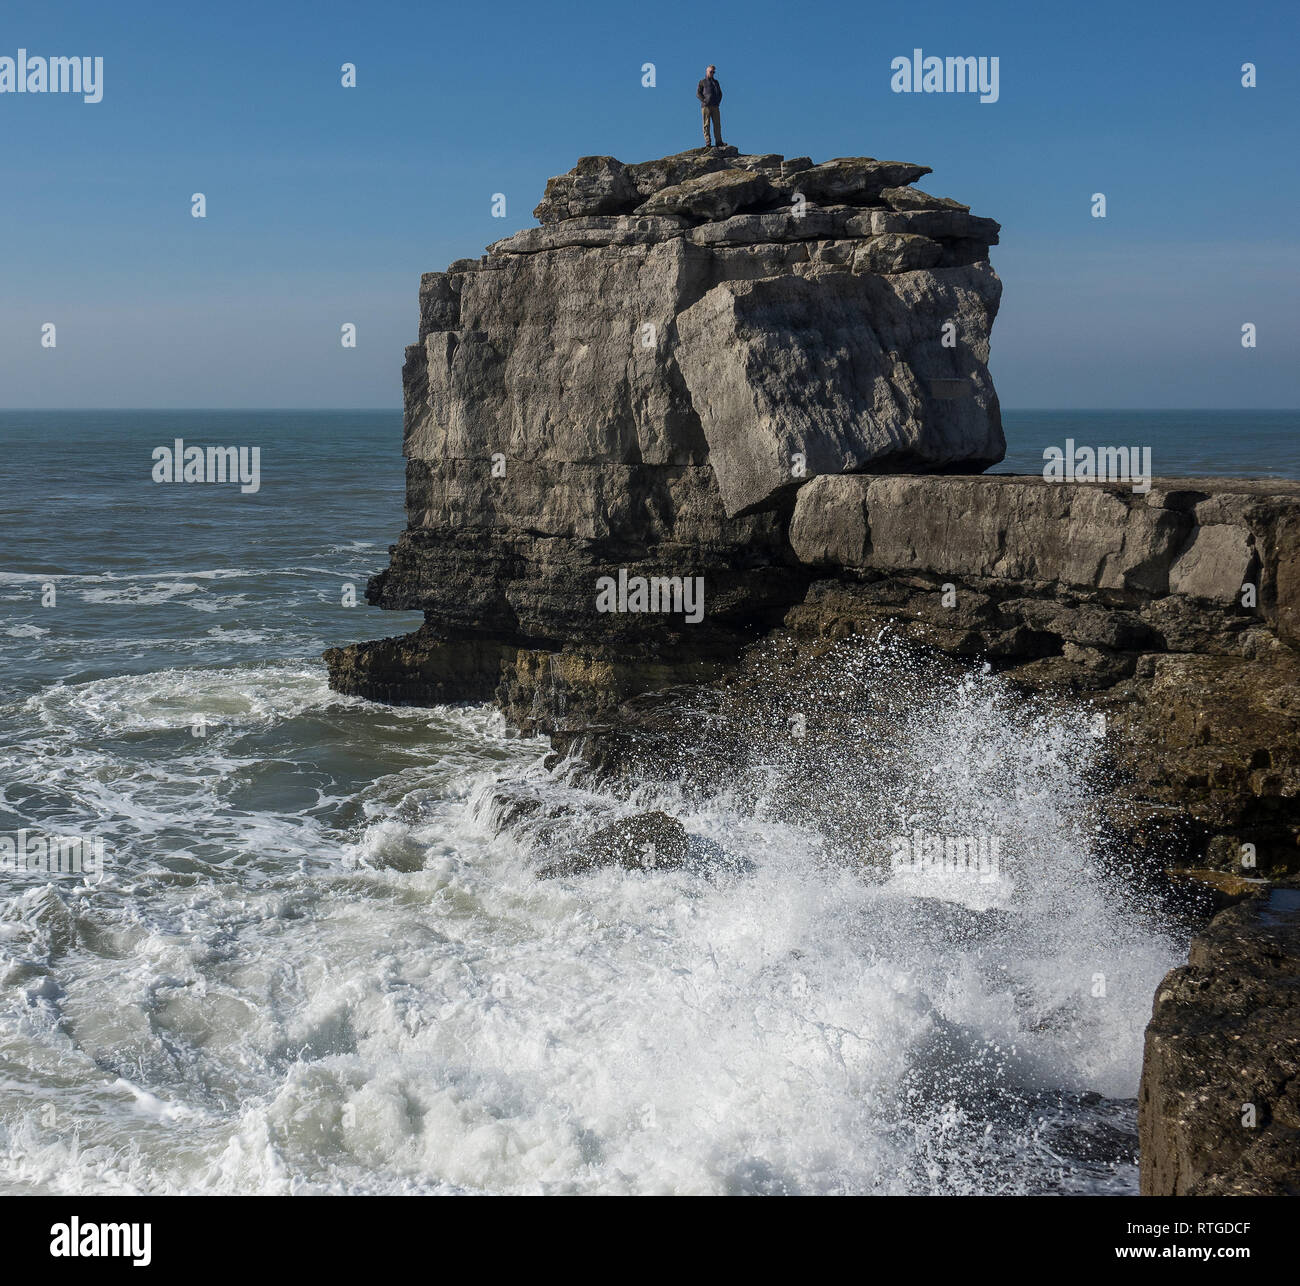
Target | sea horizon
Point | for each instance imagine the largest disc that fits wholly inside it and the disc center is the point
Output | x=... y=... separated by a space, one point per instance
x=1191 y=442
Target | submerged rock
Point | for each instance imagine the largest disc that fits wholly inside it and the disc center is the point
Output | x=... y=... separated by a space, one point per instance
x=647 y=842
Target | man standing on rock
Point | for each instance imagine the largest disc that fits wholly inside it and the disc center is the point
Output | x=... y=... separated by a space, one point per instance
x=709 y=92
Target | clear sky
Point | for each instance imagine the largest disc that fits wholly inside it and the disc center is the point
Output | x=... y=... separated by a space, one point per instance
x=324 y=204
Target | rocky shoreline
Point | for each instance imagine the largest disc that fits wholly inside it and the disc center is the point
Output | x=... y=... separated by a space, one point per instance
x=768 y=379
x=1219 y=1110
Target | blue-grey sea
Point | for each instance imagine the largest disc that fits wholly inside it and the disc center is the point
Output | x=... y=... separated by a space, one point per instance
x=313 y=961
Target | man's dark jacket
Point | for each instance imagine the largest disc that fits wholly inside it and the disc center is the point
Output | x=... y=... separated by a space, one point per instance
x=709 y=92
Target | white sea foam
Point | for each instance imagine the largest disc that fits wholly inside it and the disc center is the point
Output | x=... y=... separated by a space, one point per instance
x=299 y=984
x=141 y=595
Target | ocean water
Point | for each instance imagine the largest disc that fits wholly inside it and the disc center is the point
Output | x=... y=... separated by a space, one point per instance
x=318 y=957
x=1239 y=444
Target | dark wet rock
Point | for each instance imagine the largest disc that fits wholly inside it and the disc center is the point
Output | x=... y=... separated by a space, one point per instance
x=418 y=669
x=647 y=842
x=1092 y=1140
x=1219 y=1112
x=1217 y=889
x=512 y=803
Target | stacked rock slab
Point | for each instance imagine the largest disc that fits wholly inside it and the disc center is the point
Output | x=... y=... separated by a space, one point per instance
x=641 y=384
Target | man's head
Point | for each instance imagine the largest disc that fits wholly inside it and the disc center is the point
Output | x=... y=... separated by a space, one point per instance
x=710 y=69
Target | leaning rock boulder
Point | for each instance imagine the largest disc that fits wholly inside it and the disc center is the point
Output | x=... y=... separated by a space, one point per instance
x=713 y=196
x=790 y=379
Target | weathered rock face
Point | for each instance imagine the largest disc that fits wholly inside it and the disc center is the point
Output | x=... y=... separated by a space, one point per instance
x=1219 y=1110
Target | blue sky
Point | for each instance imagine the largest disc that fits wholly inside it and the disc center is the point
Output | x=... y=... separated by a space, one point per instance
x=325 y=204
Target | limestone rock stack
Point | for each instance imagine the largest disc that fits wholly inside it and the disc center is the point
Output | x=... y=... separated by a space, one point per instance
x=641 y=384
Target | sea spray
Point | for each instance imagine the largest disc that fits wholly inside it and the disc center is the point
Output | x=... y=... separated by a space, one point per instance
x=362 y=986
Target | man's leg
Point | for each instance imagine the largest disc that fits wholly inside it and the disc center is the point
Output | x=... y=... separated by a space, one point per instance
x=704 y=117
x=716 y=113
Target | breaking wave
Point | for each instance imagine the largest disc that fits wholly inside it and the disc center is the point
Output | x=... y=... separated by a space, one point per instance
x=320 y=958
